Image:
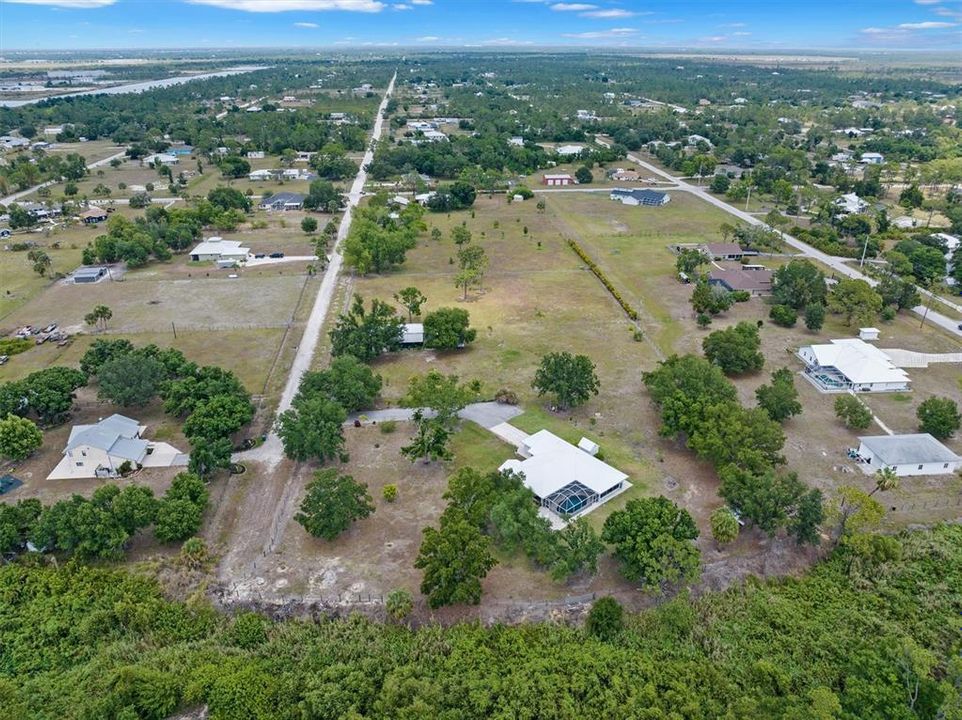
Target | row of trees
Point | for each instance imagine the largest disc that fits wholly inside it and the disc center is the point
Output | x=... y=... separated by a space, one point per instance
x=101 y=527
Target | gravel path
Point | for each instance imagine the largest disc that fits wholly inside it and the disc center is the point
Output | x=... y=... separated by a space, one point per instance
x=271 y=452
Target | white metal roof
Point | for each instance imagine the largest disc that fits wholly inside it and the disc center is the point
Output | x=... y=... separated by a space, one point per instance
x=219 y=246
x=915 y=449
x=555 y=463
x=412 y=333
x=860 y=362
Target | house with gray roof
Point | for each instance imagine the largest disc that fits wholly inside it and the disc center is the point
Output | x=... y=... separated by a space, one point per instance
x=637 y=196
x=915 y=454
x=101 y=449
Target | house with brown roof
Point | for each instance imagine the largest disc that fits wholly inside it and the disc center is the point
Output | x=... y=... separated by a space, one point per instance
x=94 y=215
x=723 y=251
x=756 y=281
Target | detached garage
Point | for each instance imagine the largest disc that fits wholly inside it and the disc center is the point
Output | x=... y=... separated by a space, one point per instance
x=917 y=454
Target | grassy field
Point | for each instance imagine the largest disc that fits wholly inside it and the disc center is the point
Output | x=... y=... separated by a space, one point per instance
x=631 y=245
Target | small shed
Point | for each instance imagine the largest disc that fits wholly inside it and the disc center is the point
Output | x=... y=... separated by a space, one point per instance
x=412 y=334
x=588 y=446
x=868 y=333
x=86 y=275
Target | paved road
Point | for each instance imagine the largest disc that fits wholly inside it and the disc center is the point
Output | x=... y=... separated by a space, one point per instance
x=837 y=264
x=23 y=193
x=272 y=452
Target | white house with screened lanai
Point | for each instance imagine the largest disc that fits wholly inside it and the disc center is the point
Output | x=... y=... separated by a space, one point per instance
x=851 y=364
x=567 y=480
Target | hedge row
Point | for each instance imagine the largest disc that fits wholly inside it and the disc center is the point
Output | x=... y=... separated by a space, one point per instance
x=599 y=273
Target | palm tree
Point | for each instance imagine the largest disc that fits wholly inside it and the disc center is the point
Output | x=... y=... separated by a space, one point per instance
x=885 y=479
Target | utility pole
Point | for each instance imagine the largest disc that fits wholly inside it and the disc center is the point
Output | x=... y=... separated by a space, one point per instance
x=927 y=306
x=864 y=250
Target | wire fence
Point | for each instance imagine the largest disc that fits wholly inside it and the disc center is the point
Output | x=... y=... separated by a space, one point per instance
x=935 y=504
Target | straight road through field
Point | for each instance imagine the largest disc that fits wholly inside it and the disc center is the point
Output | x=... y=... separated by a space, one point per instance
x=271 y=452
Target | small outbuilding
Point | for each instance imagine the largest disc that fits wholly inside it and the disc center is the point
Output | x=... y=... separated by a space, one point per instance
x=905 y=455
x=412 y=334
x=557 y=179
x=87 y=275
x=868 y=333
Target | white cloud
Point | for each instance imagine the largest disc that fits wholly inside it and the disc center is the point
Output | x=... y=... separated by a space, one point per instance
x=733 y=25
x=573 y=7
x=505 y=42
x=601 y=34
x=402 y=6
x=268 y=6
x=948 y=12
x=929 y=25
x=927 y=2
x=70 y=4
x=741 y=34
x=427 y=38
x=608 y=14
x=306 y=25
x=422 y=2
x=875 y=31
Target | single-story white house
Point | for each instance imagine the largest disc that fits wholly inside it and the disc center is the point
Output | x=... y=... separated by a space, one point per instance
x=100 y=450
x=567 y=480
x=516 y=141
x=638 y=196
x=915 y=454
x=852 y=364
x=217 y=249
x=568 y=150
x=434 y=136
x=851 y=203
x=872 y=158
x=261 y=175
x=255 y=154
x=162 y=158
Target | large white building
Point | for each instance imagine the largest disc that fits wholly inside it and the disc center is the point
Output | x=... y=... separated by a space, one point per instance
x=916 y=454
x=567 y=480
x=852 y=364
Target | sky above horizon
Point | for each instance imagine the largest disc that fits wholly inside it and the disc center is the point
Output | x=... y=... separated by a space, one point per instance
x=744 y=24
